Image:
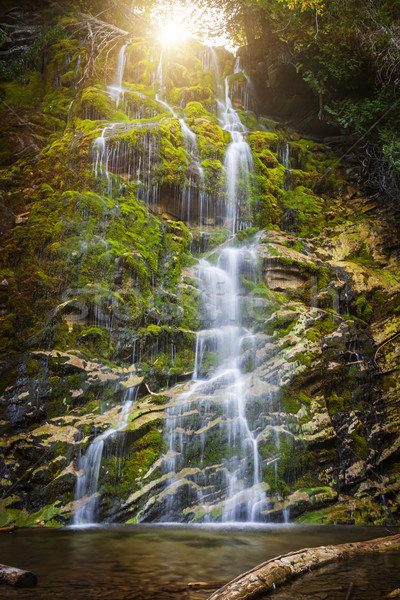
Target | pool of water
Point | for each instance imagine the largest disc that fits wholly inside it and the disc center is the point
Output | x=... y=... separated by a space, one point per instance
x=148 y=562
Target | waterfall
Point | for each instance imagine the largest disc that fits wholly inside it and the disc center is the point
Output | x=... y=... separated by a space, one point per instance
x=214 y=410
x=235 y=492
x=87 y=494
x=238 y=163
x=232 y=490
x=238 y=158
x=116 y=89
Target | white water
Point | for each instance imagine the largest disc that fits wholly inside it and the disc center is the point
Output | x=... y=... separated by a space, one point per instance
x=116 y=89
x=232 y=491
x=226 y=337
x=238 y=158
x=87 y=485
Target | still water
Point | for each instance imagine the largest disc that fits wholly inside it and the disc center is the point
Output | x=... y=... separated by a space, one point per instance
x=147 y=562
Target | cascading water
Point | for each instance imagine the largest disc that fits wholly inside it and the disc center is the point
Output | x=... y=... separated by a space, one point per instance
x=116 y=90
x=238 y=159
x=86 y=492
x=233 y=491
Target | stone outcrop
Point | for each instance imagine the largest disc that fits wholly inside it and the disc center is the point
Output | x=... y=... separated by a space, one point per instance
x=104 y=226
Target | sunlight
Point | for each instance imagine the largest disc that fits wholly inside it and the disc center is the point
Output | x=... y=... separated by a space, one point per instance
x=173 y=33
x=177 y=20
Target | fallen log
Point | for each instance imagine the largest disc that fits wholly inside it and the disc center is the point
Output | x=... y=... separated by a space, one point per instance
x=17 y=577
x=267 y=576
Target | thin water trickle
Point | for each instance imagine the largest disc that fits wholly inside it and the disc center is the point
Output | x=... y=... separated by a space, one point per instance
x=116 y=89
x=191 y=146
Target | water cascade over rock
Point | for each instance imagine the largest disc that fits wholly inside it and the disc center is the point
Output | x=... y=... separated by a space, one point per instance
x=233 y=491
x=213 y=411
x=87 y=492
x=240 y=265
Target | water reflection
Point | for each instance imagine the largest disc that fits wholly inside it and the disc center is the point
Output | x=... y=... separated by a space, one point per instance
x=155 y=563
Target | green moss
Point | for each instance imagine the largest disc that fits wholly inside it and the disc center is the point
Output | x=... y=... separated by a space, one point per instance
x=335 y=404
x=249 y=119
x=280 y=322
x=324 y=277
x=193 y=98
x=96 y=105
x=360 y=445
x=266 y=210
x=96 y=340
x=23 y=94
x=303 y=200
x=364 y=309
x=288 y=400
x=123 y=475
x=213 y=175
x=247 y=233
x=262 y=140
x=322 y=327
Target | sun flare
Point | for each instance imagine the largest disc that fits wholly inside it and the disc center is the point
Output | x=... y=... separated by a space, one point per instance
x=173 y=33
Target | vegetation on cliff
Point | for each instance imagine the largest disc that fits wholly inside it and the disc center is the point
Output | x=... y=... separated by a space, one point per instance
x=108 y=204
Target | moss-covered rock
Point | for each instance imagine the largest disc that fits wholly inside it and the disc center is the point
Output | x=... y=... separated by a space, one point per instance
x=106 y=195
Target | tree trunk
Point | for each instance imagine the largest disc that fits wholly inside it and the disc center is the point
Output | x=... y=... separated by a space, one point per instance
x=267 y=576
x=17 y=577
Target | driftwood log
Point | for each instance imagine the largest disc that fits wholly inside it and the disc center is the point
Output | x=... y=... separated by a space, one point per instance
x=269 y=575
x=17 y=577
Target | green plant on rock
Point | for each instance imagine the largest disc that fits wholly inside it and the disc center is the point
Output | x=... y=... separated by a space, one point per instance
x=363 y=308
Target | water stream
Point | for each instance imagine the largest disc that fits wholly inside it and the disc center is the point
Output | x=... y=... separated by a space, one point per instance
x=116 y=89
x=233 y=492
x=87 y=494
x=238 y=159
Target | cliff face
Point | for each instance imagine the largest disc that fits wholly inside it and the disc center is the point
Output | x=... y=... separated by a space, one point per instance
x=117 y=206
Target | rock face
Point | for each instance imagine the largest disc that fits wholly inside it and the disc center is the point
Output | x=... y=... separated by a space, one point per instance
x=108 y=222
x=279 y=90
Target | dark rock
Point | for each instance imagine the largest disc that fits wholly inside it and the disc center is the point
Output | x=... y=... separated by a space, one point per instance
x=281 y=93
